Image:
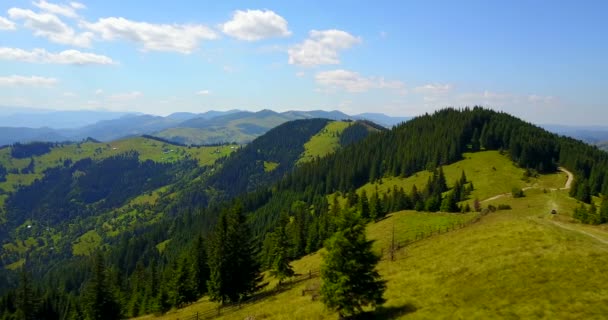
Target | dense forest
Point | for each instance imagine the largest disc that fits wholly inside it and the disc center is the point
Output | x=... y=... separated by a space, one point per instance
x=270 y=216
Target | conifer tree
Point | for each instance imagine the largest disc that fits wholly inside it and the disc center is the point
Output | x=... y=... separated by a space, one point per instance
x=364 y=206
x=463 y=178
x=99 y=299
x=234 y=272
x=350 y=279
x=604 y=210
x=375 y=206
x=450 y=203
x=26 y=302
x=280 y=262
x=184 y=284
x=201 y=269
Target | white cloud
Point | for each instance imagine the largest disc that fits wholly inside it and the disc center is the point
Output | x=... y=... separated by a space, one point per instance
x=69 y=94
x=98 y=92
x=533 y=98
x=126 y=96
x=182 y=38
x=252 y=25
x=203 y=93
x=77 y=5
x=62 y=10
x=35 y=81
x=354 y=82
x=433 y=88
x=300 y=74
x=229 y=69
x=63 y=57
x=51 y=27
x=322 y=47
x=6 y=24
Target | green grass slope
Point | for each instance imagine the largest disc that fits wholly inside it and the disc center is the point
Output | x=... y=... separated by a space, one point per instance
x=323 y=143
x=148 y=149
x=523 y=263
x=490 y=172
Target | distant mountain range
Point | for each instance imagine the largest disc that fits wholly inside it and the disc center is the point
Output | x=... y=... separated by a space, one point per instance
x=182 y=127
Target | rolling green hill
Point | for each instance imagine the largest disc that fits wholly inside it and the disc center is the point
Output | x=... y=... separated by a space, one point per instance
x=239 y=127
x=153 y=238
x=521 y=263
x=330 y=139
x=148 y=149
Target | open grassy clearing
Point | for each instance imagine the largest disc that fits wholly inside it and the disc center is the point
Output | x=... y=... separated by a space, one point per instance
x=490 y=172
x=517 y=263
x=325 y=142
x=148 y=149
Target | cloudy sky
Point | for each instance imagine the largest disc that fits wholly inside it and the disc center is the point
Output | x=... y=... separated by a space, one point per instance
x=545 y=61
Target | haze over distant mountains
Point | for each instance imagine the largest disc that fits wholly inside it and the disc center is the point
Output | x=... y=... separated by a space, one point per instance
x=24 y=125
x=30 y=124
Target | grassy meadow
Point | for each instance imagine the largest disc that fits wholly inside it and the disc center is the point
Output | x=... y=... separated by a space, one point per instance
x=148 y=149
x=325 y=142
x=519 y=263
x=491 y=173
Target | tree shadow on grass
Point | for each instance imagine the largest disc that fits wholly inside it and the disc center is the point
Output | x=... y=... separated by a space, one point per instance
x=392 y=312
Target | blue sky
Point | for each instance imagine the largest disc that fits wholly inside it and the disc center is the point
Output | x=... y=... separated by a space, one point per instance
x=542 y=60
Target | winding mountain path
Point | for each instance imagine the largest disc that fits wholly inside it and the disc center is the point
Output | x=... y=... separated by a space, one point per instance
x=570 y=178
x=567 y=186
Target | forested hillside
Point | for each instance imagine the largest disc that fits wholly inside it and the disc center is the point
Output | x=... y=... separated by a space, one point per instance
x=259 y=191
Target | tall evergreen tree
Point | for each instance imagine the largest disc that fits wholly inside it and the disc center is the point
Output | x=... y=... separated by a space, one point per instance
x=234 y=273
x=364 y=206
x=26 y=301
x=184 y=287
x=350 y=279
x=280 y=263
x=201 y=268
x=100 y=303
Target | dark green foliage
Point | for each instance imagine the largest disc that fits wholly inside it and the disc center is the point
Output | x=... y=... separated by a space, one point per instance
x=355 y=132
x=280 y=267
x=22 y=151
x=504 y=207
x=517 y=192
x=234 y=273
x=244 y=170
x=31 y=167
x=99 y=300
x=143 y=280
x=185 y=284
x=3 y=173
x=26 y=303
x=201 y=268
x=87 y=186
x=350 y=279
x=363 y=206
x=450 y=202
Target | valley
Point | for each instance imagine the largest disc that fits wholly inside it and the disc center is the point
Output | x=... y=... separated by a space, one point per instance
x=468 y=217
x=529 y=255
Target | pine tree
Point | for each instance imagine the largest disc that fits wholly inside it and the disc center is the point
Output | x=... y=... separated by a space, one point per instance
x=463 y=178
x=100 y=302
x=184 y=287
x=475 y=144
x=280 y=262
x=234 y=273
x=604 y=210
x=376 y=211
x=364 y=206
x=26 y=301
x=450 y=203
x=201 y=269
x=350 y=280
x=442 y=184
